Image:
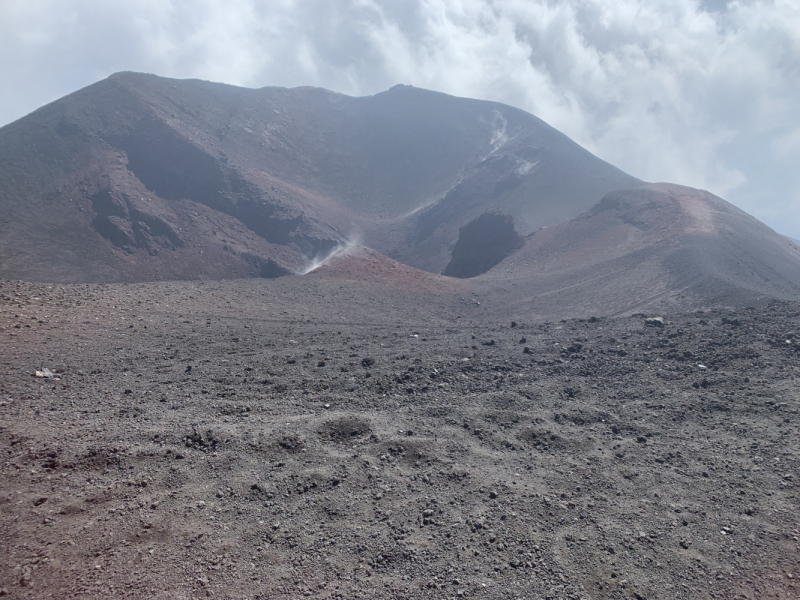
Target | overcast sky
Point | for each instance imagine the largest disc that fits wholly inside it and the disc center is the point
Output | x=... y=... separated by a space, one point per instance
x=699 y=92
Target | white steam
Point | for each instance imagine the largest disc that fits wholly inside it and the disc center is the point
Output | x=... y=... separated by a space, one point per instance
x=341 y=249
x=499 y=135
x=524 y=167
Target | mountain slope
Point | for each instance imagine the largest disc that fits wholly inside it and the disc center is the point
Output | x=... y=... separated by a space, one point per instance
x=140 y=177
x=656 y=247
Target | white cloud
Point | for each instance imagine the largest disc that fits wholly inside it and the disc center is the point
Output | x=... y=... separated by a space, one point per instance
x=700 y=93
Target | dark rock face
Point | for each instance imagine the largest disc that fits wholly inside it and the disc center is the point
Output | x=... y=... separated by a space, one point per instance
x=127 y=223
x=482 y=244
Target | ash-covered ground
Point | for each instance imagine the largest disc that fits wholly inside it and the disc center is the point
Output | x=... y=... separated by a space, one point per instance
x=206 y=440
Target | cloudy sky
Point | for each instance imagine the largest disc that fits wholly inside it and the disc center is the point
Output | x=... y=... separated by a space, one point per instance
x=700 y=92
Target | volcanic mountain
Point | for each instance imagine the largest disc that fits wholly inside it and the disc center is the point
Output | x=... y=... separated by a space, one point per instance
x=138 y=177
x=141 y=178
x=413 y=388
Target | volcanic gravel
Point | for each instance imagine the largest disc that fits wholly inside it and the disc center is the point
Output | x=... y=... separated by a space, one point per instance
x=192 y=440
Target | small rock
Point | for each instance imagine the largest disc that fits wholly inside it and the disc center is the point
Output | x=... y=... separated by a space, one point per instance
x=492 y=494
x=654 y=322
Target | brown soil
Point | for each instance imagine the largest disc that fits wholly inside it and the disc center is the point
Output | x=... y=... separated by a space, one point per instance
x=359 y=264
x=247 y=439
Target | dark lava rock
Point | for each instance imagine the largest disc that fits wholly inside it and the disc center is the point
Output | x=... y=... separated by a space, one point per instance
x=482 y=244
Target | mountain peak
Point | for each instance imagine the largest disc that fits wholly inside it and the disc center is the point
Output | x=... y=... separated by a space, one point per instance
x=156 y=178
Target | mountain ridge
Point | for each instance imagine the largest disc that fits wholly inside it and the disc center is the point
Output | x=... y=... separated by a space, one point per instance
x=143 y=178
x=302 y=167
